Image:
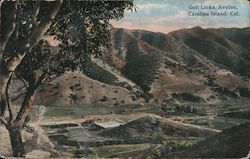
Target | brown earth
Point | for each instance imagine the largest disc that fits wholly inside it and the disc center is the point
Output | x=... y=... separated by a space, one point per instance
x=76 y=88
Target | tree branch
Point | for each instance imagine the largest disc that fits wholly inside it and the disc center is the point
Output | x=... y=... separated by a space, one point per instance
x=2 y=120
x=41 y=79
x=36 y=12
x=34 y=37
x=27 y=103
x=8 y=99
x=1 y=2
x=29 y=98
x=16 y=33
x=21 y=78
x=18 y=95
x=45 y=23
x=6 y=31
x=25 y=47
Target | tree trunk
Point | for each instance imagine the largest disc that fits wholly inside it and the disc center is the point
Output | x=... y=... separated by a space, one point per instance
x=16 y=127
x=10 y=65
x=16 y=140
x=4 y=77
x=27 y=103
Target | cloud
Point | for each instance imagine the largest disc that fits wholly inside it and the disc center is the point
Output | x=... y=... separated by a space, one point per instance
x=168 y=15
x=150 y=5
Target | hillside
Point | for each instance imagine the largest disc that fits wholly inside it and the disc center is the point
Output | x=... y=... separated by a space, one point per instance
x=223 y=46
x=160 y=95
x=189 y=65
x=205 y=63
x=238 y=36
x=231 y=143
x=153 y=127
x=76 y=88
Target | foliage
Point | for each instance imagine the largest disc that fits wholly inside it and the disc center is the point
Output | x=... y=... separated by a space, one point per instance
x=82 y=27
x=244 y=92
x=186 y=96
x=170 y=146
x=96 y=72
x=177 y=109
x=142 y=70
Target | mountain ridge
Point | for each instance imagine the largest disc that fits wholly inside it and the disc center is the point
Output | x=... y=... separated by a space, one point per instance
x=210 y=64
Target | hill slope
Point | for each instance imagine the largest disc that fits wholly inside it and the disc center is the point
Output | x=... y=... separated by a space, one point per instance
x=224 y=47
x=152 y=127
x=203 y=62
x=193 y=65
x=76 y=88
x=231 y=143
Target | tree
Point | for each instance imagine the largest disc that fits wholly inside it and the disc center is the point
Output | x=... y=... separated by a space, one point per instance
x=83 y=29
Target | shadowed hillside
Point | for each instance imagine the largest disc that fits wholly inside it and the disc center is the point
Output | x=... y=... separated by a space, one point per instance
x=226 y=47
x=177 y=95
x=203 y=62
x=192 y=65
x=231 y=143
x=153 y=127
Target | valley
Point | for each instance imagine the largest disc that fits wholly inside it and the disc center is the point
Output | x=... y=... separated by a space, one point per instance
x=151 y=95
x=134 y=130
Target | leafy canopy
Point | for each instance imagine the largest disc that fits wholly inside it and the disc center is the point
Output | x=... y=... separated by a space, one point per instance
x=82 y=27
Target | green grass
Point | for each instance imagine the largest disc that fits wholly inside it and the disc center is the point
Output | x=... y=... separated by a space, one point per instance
x=218 y=123
x=172 y=145
x=221 y=123
x=79 y=111
x=167 y=145
x=240 y=114
x=84 y=153
x=106 y=151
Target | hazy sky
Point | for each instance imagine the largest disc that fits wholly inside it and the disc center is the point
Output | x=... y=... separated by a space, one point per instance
x=168 y=15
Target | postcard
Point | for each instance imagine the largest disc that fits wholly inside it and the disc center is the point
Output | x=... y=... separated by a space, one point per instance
x=145 y=79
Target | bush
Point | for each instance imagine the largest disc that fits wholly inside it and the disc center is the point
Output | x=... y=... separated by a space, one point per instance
x=142 y=70
x=244 y=92
x=187 y=97
x=94 y=71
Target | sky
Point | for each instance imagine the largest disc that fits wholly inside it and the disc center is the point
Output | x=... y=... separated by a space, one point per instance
x=169 y=15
